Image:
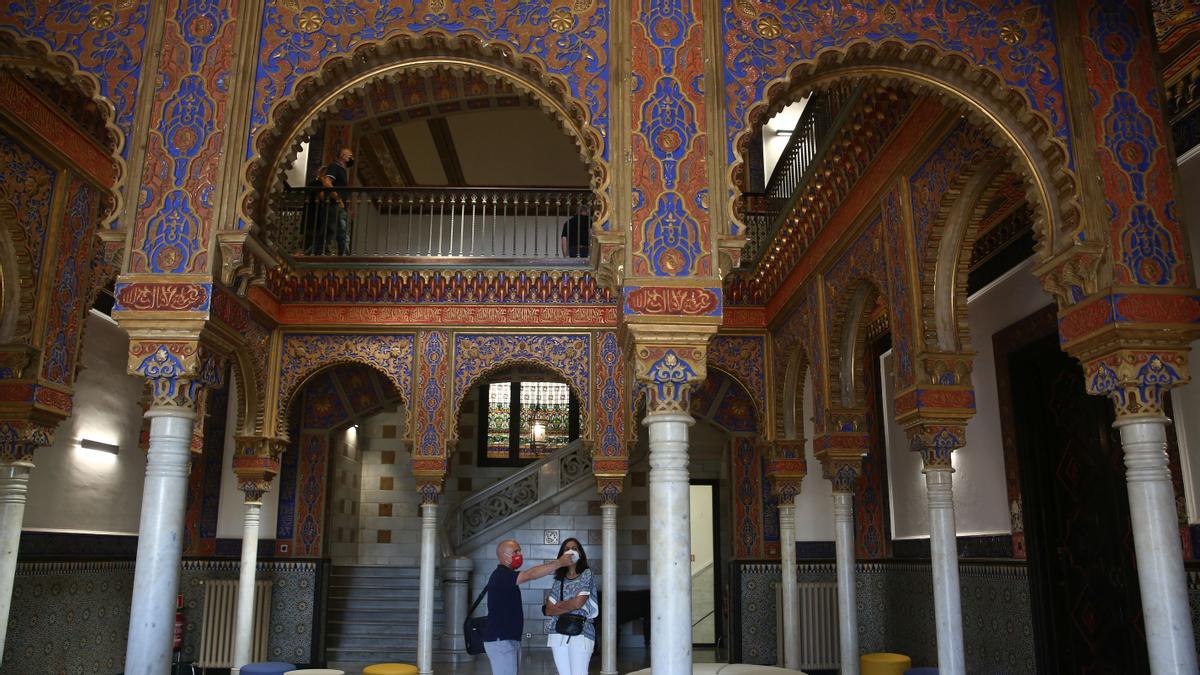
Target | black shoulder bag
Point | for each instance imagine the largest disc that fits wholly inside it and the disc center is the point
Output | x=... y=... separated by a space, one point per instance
x=474 y=626
x=568 y=624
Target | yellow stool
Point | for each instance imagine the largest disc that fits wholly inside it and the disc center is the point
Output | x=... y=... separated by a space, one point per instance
x=883 y=663
x=390 y=669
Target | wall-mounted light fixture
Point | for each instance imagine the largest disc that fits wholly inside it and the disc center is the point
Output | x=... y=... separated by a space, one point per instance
x=89 y=444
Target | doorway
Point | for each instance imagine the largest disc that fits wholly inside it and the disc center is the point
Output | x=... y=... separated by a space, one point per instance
x=1082 y=572
x=706 y=566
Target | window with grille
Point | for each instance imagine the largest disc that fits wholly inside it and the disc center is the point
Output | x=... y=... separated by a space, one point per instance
x=522 y=421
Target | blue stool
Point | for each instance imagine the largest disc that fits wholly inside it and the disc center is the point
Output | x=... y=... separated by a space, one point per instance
x=921 y=671
x=267 y=668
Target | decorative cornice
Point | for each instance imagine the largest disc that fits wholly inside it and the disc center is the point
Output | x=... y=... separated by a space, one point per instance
x=575 y=287
x=668 y=359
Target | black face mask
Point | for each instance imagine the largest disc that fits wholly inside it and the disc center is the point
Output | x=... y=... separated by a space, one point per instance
x=349 y=162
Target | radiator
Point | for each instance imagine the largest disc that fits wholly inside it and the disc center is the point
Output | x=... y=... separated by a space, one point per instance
x=219 y=623
x=818 y=630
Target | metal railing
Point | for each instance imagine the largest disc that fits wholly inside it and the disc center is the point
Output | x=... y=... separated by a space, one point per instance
x=438 y=223
x=810 y=141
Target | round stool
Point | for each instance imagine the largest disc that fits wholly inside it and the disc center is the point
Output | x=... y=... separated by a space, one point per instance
x=883 y=663
x=267 y=668
x=921 y=671
x=316 y=671
x=390 y=669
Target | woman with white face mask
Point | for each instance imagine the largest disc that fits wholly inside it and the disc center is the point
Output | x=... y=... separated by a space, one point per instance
x=571 y=603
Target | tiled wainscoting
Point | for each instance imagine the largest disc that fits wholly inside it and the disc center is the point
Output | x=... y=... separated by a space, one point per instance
x=73 y=617
x=895 y=612
x=69 y=617
x=294 y=594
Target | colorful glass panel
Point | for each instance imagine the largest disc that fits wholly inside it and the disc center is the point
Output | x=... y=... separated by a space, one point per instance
x=546 y=404
x=499 y=413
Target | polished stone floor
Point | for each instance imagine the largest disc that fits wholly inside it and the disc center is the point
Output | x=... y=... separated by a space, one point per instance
x=537 y=661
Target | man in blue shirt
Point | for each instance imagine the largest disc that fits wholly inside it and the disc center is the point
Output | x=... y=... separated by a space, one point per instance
x=506 y=619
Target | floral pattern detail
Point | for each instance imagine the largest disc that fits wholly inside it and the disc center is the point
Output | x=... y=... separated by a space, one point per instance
x=306 y=353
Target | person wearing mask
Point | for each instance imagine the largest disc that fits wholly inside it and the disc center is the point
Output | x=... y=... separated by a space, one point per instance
x=506 y=619
x=572 y=594
x=337 y=175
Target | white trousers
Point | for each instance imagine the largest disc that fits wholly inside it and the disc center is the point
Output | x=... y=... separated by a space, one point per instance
x=571 y=658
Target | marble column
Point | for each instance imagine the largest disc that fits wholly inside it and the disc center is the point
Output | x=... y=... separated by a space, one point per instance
x=456 y=579
x=608 y=597
x=787 y=573
x=943 y=549
x=428 y=570
x=14 y=485
x=160 y=541
x=1165 y=607
x=670 y=544
x=843 y=533
x=244 y=635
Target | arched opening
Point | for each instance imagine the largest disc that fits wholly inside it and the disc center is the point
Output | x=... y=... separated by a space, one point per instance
x=439 y=129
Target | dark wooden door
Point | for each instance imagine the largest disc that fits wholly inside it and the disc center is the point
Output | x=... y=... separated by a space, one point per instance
x=1083 y=578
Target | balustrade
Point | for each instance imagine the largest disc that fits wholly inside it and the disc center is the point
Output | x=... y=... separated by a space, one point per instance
x=443 y=224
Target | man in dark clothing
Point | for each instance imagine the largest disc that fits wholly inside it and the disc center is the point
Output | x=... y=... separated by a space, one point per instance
x=506 y=618
x=339 y=177
x=576 y=236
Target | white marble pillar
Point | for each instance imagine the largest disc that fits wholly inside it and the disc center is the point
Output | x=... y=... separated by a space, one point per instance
x=608 y=598
x=244 y=635
x=425 y=606
x=14 y=485
x=670 y=545
x=843 y=533
x=791 y=597
x=456 y=578
x=943 y=549
x=1165 y=608
x=160 y=542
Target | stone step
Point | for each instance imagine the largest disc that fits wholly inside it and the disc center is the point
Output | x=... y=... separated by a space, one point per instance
x=377 y=591
x=375 y=615
x=374 y=572
x=393 y=604
x=377 y=625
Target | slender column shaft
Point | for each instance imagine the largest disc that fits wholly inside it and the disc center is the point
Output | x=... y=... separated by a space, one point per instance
x=1165 y=606
x=456 y=577
x=843 y=532
x=160 y=543
x=243 y=638
x=670 y=545
x=425 y=606
x=791 y=597
x=943 y=550
x=14 y=485
x=608 y=598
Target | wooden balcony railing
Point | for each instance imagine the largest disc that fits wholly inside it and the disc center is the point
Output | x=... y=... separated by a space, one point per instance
x=434 y=224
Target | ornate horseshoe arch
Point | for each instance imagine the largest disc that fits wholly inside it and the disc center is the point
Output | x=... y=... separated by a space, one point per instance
x=1001 y=111
x=295 y=116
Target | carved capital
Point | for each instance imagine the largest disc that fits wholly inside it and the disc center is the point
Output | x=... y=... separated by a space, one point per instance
x=256 y=462
x=243 y=260
x=609 y=259
x=947 y=369
x=429 y=472
x=668 y=360
x=1136 y=380
x=787 y=468
x=610 y=488
x=843 y=472
x=936 y=440
x=841 y=449
x=175 y=370
x=16 y=359
x=1076 y=273
x=20 y=438
x=430 y=488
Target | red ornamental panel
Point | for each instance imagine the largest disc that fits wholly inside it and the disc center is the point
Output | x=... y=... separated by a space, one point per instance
x=163 y=297
x=675 y=301
x=747 y=498
x=49 y=125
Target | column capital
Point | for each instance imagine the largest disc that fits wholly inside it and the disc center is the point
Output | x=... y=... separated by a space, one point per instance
x=256 y=463
x=176 y=370
x=1135 y=380
x=20 y=438
x=668 y=360
x=610 y=477
x=936 y=440
x=841 y=448
x=429 y=473
x=787 y=468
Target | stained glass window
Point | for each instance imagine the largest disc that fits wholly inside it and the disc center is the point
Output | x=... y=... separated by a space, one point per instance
x=523 y=421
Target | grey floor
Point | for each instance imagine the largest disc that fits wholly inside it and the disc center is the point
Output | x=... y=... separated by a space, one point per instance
x=536 y=661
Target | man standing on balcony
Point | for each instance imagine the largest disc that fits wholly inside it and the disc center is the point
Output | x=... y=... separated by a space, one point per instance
x=506 y=618
x=337 y=175
x=576 y=236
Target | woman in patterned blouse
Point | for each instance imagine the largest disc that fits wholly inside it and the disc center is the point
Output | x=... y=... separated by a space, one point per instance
x=572 y=593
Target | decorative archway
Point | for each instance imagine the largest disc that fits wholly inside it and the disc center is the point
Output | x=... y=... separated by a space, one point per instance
x=478 y=355
x=1004 y=113
x=303 y=355
x=345 y=75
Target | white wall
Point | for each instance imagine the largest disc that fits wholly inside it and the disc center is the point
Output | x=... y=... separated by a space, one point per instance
x=814 y=504
x=980 y=493
x=1186 y=399
x=231 y=511
x=76 y=490
x=701 y=513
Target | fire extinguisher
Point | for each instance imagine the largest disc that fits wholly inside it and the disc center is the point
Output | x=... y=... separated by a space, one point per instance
x=177 y=646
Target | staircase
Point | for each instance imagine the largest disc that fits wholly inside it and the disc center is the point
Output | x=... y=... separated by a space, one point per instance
x=372 y=615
